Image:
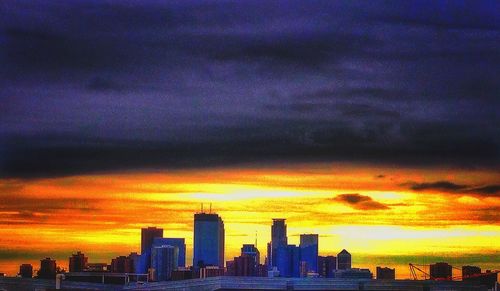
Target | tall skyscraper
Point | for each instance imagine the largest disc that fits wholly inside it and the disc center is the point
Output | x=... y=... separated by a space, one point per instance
x=147 y=237
x=309 y=251
x=343 y=260
x=208 y=240
x=278 y=239
x=77 y=262
x=176 y=242
x=164 y=260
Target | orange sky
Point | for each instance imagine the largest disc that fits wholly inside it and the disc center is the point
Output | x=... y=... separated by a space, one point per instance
x=371 y=211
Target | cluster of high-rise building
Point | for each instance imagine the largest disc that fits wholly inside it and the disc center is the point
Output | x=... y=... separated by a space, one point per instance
x=164 y=258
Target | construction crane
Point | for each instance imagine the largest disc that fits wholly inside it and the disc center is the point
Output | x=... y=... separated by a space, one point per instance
x=414 y=268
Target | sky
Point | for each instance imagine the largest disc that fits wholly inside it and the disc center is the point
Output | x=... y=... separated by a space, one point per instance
x=374 y=124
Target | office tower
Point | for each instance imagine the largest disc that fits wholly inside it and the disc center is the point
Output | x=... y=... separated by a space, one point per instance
x=440 y=270
x=470 y=271
x=147 y=237
x=164 y=260
x=122 y=264
x=288 y=261
x=278 y=239
x=309 y=252
x=208 y=240
x=176 y=242
x=26 y=271
x=343 y=260
x=78 y=262
x=386 y=273
x=252 y=251
x=47 y=269
x=326 y=266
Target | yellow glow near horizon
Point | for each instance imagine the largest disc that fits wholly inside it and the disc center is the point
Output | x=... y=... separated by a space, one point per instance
x=103 y=214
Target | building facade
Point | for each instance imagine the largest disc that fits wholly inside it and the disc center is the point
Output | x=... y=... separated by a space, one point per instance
x=309 y=252
x=343 y=260
x=441 y=271
x=386 y=273
x=47 y=269
x=78 y=262
x=279 y=239
x=209 y=234
x=176 y=242
x=164 y=261
x=26 y=271
x=326 y=266
x=147 y=237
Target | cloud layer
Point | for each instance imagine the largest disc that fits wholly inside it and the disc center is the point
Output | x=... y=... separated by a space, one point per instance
x=88 y=86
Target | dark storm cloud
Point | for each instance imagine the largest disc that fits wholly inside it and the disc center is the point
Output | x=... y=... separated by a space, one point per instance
x=87 y=86
x=360 y=202
x=450 y=187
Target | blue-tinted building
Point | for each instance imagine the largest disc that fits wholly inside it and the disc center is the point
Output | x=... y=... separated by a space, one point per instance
x=288 y=261
x=177 y=242
x=309 y=251
x=208 y=247
x=147 y=237
x=278 y=240
x=164 y=260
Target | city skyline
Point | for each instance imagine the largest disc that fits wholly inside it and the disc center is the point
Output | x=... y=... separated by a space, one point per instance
x=373 y=124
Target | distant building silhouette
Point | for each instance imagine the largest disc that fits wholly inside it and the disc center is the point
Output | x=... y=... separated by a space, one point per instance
x=441 y=271
x=469 y=271
x=122 y=264
x=343 y=260
x=278 y=240
x=326 y=266
x=147 y=238
x=26 y=271
x=78 y=262
x=47 y=269
x=251 y=251
x=176 y=242
x=164 y=260
x=182 y=273
x=386 y=273
x=309 y=252
x=208 y=240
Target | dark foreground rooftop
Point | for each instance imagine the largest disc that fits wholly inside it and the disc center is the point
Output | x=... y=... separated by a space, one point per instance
x=249 y=283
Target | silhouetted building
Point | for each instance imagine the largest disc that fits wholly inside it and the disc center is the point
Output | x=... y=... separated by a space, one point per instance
x=288 y=261
x=278 y=239
x=147 y=237
x=26 y=271
x=78 y=262
x=244 y=265
x=176 y=242
x=164 y=260
x=386 y=273
x=441 y=271
x=135 y=260
x=261 y=270
x=309 y=252
x=252 y=251
x=182 y=273
x=469 y=271
x=343 y=260
x=208 y=240
x=353 y=273
x=47 y=269
x=326 y=266
x=122 y=264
